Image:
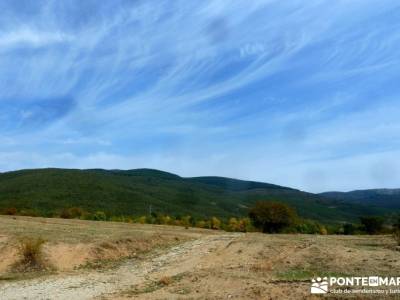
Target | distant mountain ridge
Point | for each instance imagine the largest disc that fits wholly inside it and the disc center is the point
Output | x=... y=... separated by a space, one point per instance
x=236 y=184
x=133 y=192
x=385 y=198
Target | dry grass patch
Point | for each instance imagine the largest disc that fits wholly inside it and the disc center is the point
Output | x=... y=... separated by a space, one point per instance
x=262 y=267
x=396 y=236
x=166 y=280
x=156 y=285
x=31 y=255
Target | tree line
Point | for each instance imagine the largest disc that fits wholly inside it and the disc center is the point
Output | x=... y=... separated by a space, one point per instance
x=264 y=216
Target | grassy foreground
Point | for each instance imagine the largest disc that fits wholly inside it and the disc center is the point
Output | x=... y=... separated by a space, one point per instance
x=66 y=245
x=199 y=264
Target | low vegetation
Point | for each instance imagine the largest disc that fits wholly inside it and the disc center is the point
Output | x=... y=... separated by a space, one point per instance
x=372 y=225
x=396 y=231
x=264 y=216
x=39 y=246
x=31 y=254
x=396 y=236
x=272 y=217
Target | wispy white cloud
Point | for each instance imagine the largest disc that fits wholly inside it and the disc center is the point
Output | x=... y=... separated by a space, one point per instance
x=283 y=89
x=27 y=37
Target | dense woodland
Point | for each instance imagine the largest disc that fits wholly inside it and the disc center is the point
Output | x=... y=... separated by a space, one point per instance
x=145 y=192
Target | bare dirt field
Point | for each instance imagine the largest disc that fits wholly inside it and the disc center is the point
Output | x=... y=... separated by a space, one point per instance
x=105 y=260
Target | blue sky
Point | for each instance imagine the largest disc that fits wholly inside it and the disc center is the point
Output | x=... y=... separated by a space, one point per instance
x=298 y=93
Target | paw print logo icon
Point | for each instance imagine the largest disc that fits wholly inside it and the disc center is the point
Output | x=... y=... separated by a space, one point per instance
x=319 y=285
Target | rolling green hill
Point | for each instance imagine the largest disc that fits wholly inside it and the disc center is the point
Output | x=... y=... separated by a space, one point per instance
x=132 y=192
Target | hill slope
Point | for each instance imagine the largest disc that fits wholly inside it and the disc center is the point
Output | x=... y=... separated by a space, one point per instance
x=386 y=198
x=132 y=192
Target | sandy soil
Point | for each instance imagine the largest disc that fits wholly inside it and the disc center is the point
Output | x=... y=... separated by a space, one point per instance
x=204 y=265
x=71 y=244
x=256 y=266
x=91 y=284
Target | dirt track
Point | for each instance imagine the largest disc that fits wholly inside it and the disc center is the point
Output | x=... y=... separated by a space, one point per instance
x=89 y=285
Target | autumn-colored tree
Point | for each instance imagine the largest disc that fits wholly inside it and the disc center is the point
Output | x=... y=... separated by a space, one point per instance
x=233 y=224
x=186 y=221
x=76 y=212
x=272 y=216
x=323 y=230
x=141 y=220
x=245 y=225
x=162 y=219
x=10 y=211
x=167 y=220
x=215 y=223
x=201 y=224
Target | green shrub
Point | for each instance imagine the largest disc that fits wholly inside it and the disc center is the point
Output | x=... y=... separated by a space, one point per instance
x=72 y=213
x=272 y=216
x=140 y=220
x=306 y=227
x=99 y=216
x=348 y=229
x=29 y=212
x=76 y=212
x=372 y=225
x=65 y=214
